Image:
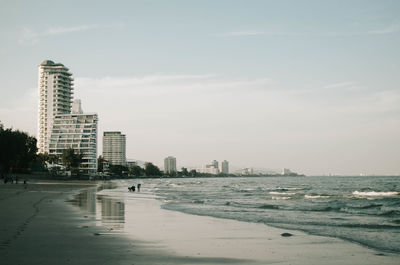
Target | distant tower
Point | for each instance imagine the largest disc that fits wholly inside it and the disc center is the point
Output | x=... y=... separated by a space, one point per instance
x=114 y=148
x=224 y=167
x=55 y=97
x=77 y=107
x=169 y=165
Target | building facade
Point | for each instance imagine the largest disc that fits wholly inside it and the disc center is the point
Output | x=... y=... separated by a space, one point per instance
x=286 y=171
x=77 y=131
x=169 y=165
x=224 y=167
x=55 y=97
x=114 y=148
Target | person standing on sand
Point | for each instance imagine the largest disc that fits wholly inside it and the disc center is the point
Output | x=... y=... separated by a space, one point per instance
x=25 y=184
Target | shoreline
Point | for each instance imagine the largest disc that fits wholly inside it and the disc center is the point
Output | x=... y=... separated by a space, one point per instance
x=41 y=226
x=198 y=235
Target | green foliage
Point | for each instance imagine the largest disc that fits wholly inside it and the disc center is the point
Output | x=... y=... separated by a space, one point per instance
x=185 y=172
x=100 y=162
x=136 y=171
x=193 y=173
x=70 y=159
x=42 y=158
x=118 y=169
x=53 y=159
x=151 y=170
x=17 y=150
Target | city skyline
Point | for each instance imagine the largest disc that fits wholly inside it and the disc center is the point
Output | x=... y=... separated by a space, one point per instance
x=308 y=85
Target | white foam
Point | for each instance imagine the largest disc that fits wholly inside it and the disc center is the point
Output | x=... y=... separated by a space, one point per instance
x=281 y=198
x=295 y=188
x=281 y=193
x=375 y=193
x=316 y=196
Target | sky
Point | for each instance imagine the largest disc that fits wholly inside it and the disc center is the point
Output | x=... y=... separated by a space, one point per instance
x=313 y=86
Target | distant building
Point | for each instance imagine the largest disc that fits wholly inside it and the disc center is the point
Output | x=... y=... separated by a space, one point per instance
x=169 y=165
x=286 y=171
x=114 y=148
x=55 y=90
x=211 y=169
x=224 y=167
x=247 y=171
x=131 y=163
x=78 y=131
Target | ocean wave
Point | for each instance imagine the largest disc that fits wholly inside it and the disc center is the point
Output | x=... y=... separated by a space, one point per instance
x=375 y=193
x=368 y=206
x=316 y=196
x=390 y=213
x=289 y=188
x=281 y=193
x=268 y=206
x=176 y=185
x=281 y=198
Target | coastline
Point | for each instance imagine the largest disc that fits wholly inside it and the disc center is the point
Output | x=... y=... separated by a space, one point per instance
x=39 y=226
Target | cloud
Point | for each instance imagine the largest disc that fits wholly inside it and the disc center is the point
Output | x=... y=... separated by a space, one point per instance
x=244 y=33
x=388 y=30
x=341 y=84
x=164 y=83
x=20 y=112
x=258 y=33
x=31 y=36
x=61 y=30
x=28 y=36
x=198 y=116
x=346 y=86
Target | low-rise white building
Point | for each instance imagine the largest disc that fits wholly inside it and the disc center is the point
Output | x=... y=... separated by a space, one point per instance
x=286 y=171
x=78 y=131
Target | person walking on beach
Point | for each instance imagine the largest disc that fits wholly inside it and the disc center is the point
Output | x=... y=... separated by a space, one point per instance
x=138 y=186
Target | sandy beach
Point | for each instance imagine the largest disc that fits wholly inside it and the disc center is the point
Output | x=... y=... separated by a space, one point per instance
x=39 y=225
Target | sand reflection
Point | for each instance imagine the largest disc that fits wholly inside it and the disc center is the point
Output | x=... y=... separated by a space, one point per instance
x=109 y=212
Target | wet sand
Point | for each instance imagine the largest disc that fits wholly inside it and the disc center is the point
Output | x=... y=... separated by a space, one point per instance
x=39 y=226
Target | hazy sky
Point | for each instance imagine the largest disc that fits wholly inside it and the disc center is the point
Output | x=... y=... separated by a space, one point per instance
x=313 y=86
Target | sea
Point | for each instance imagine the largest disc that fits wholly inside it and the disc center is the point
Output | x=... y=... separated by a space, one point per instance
x=362 y=209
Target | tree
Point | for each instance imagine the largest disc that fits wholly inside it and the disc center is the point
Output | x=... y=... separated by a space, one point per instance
x=70 y=159
x=53 y=159
x=42 y=158
x=17 y=150
x=118 y=169
x=100 y=162
x=185 y=172
x=193 y=172
x=151 y=170
x=136 y=170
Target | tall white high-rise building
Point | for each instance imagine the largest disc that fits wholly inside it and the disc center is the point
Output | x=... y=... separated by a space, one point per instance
x=169 y=165
x=224 y=167
x=55 y=97
x=114 y=148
